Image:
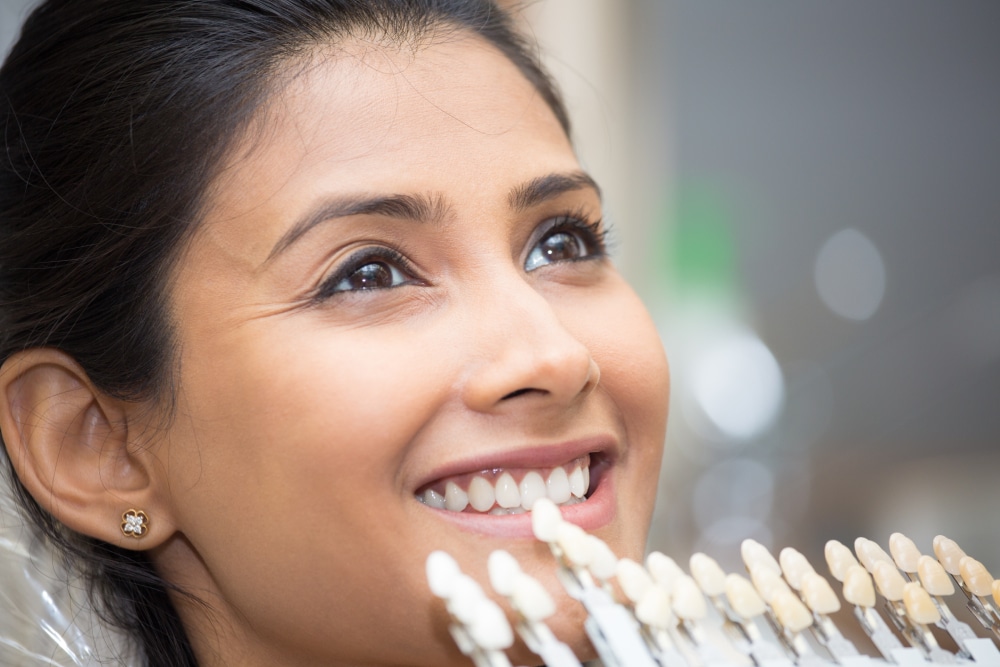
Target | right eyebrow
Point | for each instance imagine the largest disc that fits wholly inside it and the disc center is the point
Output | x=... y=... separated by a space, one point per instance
x=415 y=207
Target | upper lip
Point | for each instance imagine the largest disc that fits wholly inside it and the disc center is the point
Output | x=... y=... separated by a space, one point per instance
x=534 y=456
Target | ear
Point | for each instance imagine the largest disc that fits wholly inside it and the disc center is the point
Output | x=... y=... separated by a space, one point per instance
x=71 y=448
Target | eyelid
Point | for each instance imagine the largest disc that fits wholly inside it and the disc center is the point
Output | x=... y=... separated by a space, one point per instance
x=357 y=259
x=593 y=232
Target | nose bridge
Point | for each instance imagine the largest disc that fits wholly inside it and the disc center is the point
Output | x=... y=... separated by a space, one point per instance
x=524 y=349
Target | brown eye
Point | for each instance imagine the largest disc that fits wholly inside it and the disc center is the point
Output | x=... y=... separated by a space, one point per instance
x=562 y=245
x=374 y=275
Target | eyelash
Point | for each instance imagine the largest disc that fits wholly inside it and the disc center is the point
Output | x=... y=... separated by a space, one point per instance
x=395 y=260
x=593 y=236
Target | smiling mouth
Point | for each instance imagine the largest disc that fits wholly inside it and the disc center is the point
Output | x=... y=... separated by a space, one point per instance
x=500 y=491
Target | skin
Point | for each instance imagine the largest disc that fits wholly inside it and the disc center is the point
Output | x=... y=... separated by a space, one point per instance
x=281 y=492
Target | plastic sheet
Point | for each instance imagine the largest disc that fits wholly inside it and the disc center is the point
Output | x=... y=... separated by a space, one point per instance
x=45 y=616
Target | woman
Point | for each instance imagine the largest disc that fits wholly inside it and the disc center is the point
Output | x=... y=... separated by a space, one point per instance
x=292 y=292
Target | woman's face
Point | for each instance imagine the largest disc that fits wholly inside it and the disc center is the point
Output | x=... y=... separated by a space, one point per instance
x=399 y=290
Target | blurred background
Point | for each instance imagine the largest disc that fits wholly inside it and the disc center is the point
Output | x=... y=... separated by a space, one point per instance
x=807 y=195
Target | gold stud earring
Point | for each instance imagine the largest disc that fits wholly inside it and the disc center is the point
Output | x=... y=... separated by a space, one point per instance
x=135 y=523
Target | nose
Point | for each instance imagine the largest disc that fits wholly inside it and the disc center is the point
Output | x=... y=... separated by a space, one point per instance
x=525 y=352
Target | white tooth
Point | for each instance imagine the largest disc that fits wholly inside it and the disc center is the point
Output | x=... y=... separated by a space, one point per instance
x=576 y=483
x=455 y=499
x=481 y=495
x=558 y=486
x=532 y=488
x=507 y=494
x=434 y=499
x=586 y=480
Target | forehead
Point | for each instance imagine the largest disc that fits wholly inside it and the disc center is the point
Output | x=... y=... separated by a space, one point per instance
x=368 y=117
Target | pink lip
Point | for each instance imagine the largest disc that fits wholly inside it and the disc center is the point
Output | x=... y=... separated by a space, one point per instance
x=598 y=510
x=543 y=456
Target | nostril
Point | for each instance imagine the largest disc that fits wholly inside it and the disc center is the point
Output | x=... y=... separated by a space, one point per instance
x=517 y=393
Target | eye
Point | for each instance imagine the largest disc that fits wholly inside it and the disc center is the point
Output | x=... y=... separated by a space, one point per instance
x=567 y=239
x=366 y=270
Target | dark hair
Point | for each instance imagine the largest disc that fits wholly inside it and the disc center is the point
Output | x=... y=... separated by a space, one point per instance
x=115 y=115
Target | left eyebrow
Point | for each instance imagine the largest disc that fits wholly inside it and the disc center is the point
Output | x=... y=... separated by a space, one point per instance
x=416 y=207
x=544 y=188
x=428 y=207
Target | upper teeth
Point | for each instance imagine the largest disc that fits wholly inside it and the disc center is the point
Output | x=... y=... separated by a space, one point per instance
x=503 y=494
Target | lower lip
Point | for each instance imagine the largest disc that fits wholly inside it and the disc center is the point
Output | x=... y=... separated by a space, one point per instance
x=597 y=511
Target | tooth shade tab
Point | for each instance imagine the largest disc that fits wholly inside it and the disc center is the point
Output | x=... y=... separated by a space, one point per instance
x=919 y=606
x=794 y=566
x=839 y=559
x=708 y=574
x=503 y=569
x=933 y=577
x=818 y=595
x=654 y=608
x=996 y=591
x=575 y=543
x=633 y=579
x=464 y=598
x=489 y=628
x=949 y=554
x=790 y=611
x=889 y=581
x=545 y=520
x=688 y=602
x=904 y=552
x=663 y=569
x=442 y=572
x=603 y=561
x=977 y=578
x=743 y=597
x=858 y=587
x=767 y=583
x=531 y=599
x=756 y=555
x=870 y=553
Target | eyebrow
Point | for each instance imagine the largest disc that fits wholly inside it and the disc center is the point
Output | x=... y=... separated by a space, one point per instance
x=421 y=207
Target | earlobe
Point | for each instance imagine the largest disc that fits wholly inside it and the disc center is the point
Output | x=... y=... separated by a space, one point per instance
x=70 y=447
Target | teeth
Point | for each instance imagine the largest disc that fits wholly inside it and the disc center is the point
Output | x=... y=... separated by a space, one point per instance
x=481 y=494
x=488 y=493
x=455 y=499
x=576 y=486
x=507 y=493
x=794 y=566
x=558 y=485
x=532 y=488
x=434 y=499
x=889 y=581
x=743 y=597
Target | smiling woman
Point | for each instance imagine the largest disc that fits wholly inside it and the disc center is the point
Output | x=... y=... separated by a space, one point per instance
x=293 y=293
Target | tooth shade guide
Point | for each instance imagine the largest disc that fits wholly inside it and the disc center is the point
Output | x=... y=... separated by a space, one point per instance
x=818 y=594
x=743 y=597
x=948 y=554
x=977 y=578
x=889 y=581
x=858 y=587
x=933 y=577
x=919 y=606
x=904 y=552
x=869 y=553
x=707 y=573
x=794 y=566
x=839 y=559
x=756 y=555
x=664 y=569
